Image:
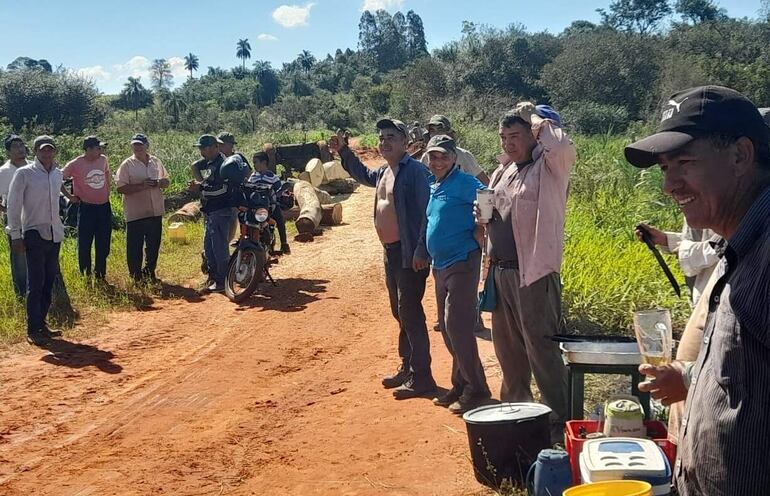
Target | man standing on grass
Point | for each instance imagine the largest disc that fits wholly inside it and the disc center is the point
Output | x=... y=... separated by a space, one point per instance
x=17 y=158
x=35 y=228
x=141 y=179
x=526 y=245
x=401 y=199
x=90 y=174
x=714 y=150
x=456 y=256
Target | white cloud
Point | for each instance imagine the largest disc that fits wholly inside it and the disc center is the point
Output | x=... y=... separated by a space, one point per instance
x=95 y=73
x=292 y=16
x=111 y=79
x=137 y=66
x=177 y=69
x=375 y=5
x=267 y=37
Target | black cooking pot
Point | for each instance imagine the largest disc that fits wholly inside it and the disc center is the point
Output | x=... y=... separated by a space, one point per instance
x=505 y=439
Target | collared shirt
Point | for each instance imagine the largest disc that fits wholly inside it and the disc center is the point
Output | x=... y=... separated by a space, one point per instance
x=385 y=217
x=450 y=218
x=465 y=160
x=538 y=197
x=90 y=179
x=147 y=202
x=410 y=195
x=7 y=171
x=725 y=431
x=33 y=203
x=697 y=257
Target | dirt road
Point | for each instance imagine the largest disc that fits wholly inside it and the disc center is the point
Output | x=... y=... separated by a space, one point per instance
x=200 y=396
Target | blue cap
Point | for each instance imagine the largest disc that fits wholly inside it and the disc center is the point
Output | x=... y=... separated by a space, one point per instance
x=547 y=112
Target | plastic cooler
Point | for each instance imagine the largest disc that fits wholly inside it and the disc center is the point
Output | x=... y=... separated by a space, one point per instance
x=655 y=430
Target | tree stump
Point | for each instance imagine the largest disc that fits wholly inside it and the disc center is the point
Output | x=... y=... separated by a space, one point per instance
x=190 y=212
x=331 y=215
x=309 y=207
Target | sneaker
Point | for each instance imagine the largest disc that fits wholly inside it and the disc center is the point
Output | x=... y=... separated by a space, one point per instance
x=285 y=249
x=447 y=398
x=51 y=333
x=469 y=402
x=216 y=288
x=37 y=338
x=397 y=379
x=415 y=388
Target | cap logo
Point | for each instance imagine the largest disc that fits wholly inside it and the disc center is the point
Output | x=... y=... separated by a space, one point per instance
x=669 y=112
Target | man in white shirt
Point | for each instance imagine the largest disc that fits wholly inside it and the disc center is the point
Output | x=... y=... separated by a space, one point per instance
x=16 y=151
x=466 y=162
x=35 y=228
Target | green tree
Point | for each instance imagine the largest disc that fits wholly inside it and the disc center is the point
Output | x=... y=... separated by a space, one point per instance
x=21 y=63
x=134 y=96
x=635 y=16
x=698 y=11
x=243 y=51
x=306 y=61
x=416 y=46
x=174 y=104
x=191 y=63
x=160 y=75
x=269 y=84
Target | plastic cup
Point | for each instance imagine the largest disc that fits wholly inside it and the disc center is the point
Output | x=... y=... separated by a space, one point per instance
x=486 y=201
x=653 y=335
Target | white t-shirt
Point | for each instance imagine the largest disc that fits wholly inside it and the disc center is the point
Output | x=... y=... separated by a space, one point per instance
x=465 y=161
x=7 y=171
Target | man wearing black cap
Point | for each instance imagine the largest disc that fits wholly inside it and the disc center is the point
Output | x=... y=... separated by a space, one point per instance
x=217 y=205
x=17 y=158
x=714 y=150
x=90 y=174
x=35 y=227
x=401 y=197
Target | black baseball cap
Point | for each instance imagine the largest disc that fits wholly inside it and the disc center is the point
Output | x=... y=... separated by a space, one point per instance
x=695 y=113
x=92 y=141
x=765 y=113
x=43 y=141
x=227 y=138
x=11 y=138
x=441 y=143
x=388 y=123
x=207 y=140
x=140 y=138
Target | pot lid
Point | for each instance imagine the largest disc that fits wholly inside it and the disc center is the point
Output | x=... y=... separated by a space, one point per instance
x=506 y=412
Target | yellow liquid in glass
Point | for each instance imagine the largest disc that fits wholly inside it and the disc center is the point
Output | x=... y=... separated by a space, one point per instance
x=656 y=360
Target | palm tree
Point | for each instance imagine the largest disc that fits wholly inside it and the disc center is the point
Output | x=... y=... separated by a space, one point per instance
x=133 y=89
x=191 y=63
x=306 y=61
x=174 y=103
x=244 y=51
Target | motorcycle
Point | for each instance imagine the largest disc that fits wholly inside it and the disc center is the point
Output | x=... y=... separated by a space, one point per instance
x=250 y=262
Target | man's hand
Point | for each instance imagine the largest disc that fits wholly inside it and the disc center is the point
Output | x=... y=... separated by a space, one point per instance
x=2 y=208
x=151 y=183
x=338 y=142
x=525 y=110
x=419 y=264
x=658 y=237
x=74 y=199
x=194 y=186
x=668 y=383
x=17 y=245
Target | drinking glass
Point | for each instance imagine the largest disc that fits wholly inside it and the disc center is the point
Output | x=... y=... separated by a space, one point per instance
x=653 y=335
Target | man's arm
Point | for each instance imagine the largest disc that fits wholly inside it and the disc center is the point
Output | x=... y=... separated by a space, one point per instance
x=15 y=203
x=421 y=258
x=559 y=151
x=350 y=162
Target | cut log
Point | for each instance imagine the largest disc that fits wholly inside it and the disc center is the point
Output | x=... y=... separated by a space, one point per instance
x=324 y=197
x=333 y=171
x=304 y=176
x=340 y=186
x=316 y=170
x=190 y=212
x=309 y=207
x=331 y=215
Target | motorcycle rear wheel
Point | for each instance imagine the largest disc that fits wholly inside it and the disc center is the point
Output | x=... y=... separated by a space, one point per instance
x=242 y=280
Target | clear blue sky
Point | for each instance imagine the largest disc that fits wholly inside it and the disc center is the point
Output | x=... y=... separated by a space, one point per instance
x=110 y=40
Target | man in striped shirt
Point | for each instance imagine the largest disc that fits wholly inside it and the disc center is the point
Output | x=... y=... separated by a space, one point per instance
x=714 y=150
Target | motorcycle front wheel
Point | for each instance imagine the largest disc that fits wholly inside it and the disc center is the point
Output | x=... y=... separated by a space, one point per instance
x=243 y=278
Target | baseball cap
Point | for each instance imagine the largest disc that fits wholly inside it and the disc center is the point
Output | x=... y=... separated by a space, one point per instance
x=92 y=141
x=387 y=122
x=43 y=141
x=765 y=113
x=140 y=138
x=207 y=140
x=440 y=121
x=227 y=138
x=441 y=143
x=547 y=112
x=698 y=112
x=11 y=138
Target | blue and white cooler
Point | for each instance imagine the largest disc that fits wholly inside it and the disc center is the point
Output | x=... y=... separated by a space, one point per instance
x=626 y=458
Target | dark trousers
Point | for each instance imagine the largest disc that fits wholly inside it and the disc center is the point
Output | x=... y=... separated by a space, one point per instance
x=42 y=270
x=406 y=289
x=280 y=223
x=94 y=228
x=456 y=298
x=18 y=271
x=143 y=238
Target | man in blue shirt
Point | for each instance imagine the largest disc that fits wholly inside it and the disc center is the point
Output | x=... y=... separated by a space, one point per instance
x=399 y=216
x=456 y=265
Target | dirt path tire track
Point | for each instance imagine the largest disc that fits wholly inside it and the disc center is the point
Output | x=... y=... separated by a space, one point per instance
x=279 y=397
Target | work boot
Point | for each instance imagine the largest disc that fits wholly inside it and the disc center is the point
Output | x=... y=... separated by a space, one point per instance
x=51 y=333
x=285 y=249
x=469 y=401
x=447 y=398
x=37 y=338
x=397 y=379
x=415 y=388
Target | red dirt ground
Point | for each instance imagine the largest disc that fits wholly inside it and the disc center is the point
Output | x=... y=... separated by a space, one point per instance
x=200 y=396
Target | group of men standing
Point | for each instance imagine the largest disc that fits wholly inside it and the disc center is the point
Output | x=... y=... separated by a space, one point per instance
x=424 y=217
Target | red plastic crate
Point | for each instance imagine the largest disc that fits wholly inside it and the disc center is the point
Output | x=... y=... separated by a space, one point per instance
x=655 y=429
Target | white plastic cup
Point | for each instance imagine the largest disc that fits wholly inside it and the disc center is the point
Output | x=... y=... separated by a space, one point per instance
x=486 y=201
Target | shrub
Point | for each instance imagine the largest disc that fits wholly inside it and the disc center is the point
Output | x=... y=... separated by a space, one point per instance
x=595 y=118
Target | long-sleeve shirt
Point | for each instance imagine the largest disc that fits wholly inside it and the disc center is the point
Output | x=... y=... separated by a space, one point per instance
x=726 y=425
x=697 y=257
x=410 y=194
x=538 y=201
x=33 y=203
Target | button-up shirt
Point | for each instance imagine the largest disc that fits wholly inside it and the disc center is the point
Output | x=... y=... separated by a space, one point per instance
x=33 y=202
x=148 y=202
x=538 y=201
x=725 y=431
x=697 y=257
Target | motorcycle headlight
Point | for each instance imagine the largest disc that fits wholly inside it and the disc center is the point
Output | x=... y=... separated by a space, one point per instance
x=261 y=214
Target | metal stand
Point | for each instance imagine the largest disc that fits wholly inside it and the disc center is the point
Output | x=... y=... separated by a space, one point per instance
x=576 y=385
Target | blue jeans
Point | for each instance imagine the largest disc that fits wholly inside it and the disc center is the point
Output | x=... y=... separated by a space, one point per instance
x=18 y=271
x=43 y=268
x=94 y=228
x=216 y=242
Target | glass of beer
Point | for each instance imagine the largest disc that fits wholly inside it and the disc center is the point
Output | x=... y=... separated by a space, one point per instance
x=653 y=335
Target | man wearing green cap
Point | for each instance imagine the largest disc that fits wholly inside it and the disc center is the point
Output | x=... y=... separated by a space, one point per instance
x=440 y=124
x=35 y=227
